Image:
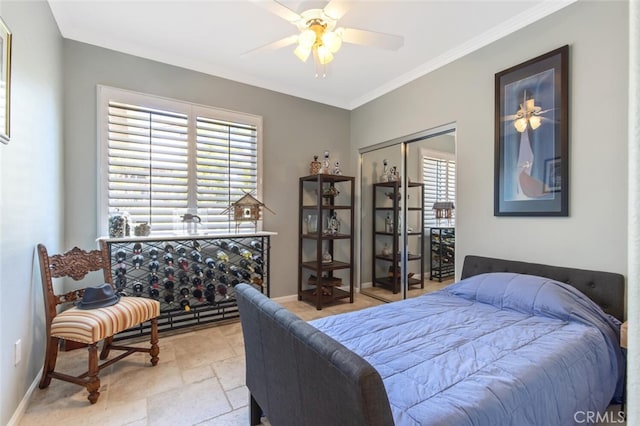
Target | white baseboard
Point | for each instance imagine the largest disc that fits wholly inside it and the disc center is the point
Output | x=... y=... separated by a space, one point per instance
x=22 y=407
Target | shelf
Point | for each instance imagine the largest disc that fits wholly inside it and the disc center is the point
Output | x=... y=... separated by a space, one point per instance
x=390 y=258
x=325 y=207
x=325 y=298
x=392 y=234
x=326 y=178
x=335 y=265
x=326 y=236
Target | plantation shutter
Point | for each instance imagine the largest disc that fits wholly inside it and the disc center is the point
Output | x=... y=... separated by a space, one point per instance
x=148 y=163
x=439 y=185
x=226 y=169
x=161 y=158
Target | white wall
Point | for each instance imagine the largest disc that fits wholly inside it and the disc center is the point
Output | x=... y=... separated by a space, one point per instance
x=594 y=235
x=31 y=195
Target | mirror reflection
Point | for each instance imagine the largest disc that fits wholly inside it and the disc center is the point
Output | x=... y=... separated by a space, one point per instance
x=408 y=217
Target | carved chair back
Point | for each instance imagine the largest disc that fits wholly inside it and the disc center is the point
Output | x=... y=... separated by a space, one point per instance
x=74 y=264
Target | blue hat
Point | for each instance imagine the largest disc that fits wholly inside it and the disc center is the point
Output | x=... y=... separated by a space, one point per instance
x=98 y=297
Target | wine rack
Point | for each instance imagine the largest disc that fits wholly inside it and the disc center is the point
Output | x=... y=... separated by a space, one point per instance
x=193 y=277
x=442 y=253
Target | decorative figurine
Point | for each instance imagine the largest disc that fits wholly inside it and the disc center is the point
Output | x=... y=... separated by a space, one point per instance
x=384 y=177
x=386 y=251
x=336 y=169
x=326 y=165
x=393 y=174
x=326 y=257
x=388 y=224
x=333 y=226
x=315 y=166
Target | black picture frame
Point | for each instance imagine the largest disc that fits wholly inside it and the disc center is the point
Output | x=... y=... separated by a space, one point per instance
x=532 y=137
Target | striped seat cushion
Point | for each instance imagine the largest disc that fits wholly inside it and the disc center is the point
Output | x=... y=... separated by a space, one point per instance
x=93 y=325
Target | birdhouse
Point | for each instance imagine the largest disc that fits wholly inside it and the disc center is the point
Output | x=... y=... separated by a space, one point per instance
x=247 y=209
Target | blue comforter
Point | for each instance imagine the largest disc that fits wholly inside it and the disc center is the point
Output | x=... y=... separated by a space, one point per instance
x=494 y=349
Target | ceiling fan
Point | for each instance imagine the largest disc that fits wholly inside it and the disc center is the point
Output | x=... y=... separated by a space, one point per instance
x=319 y=34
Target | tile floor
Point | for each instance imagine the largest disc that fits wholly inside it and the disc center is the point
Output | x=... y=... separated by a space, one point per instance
x=198 y=381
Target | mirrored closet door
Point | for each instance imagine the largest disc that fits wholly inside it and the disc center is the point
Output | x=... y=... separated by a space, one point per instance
x=408 y=215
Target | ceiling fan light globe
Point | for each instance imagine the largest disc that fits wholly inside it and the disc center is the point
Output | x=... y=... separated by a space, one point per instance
x=302 y=53
x=332 y=41
x=324 y=55
x=307 y=38
x=520 y=124
x=535 y=122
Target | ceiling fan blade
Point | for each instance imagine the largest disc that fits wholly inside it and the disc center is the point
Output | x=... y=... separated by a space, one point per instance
x=336 y=9
x=371 y=38
x=278 y=9
x=279 y=44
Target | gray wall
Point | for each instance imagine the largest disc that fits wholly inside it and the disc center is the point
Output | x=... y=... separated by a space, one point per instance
x=31 y=193
x=595 y=234
x=294 y=130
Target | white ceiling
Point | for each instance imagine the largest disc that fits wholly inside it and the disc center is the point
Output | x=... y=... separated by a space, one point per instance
x=211 y=36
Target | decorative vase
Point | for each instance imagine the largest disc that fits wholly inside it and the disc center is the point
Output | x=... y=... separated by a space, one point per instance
x=314 y=166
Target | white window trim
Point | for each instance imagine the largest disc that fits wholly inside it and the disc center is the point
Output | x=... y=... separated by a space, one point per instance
x=106 y=93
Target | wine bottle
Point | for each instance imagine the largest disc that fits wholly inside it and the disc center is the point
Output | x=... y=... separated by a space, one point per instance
x=121 y=255
x=222 y=256
x=153 y=266
x=258 y=260
x=122 y=270
x=224 y=245
x=182 y=251
x=197 y=269
x=154 y=293
x=184 y=291
x=153 y=280
x=169 y=272
x=234 y=248
x=223 y=279
x=197 y=293
x=209 y=274
x=222 y=290
x=235 y=282
x=137 y=248
x=246 y=254
x=196 y=281
x=184 y=279
x=196 y=256
x=211 y=287
x=196 y=246
x=169 y=298
x=137 y=261
x=222 y=267
x=185 y=304
x=153 y=253
x=137 y=288
x=210 y=263
x=184 y=265
x=168 y=259
x=210 y=296
x=168 y=248
x=169 y=284
x=121 y=282
x=256 y=245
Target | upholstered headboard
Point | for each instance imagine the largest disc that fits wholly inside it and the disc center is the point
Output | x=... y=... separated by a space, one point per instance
x=604 y=288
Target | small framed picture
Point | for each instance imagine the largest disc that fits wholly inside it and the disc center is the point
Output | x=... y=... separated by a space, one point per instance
x=553 y=175
x=5 y=82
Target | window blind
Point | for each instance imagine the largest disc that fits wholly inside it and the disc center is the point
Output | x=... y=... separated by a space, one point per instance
x=162 y=162
x=439 y=185
x=226 y=168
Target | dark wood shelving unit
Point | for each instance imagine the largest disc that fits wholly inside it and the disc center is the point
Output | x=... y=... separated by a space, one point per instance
x=320 y=197
x=392 y=281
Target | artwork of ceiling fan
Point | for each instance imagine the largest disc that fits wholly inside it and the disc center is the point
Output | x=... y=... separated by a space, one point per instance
x=319 y=35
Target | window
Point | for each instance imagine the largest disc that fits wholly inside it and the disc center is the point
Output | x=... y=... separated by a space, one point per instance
x=163 y=158
x=439 y=178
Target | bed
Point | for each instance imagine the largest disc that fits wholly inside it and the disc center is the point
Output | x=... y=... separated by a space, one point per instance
x=511 y=343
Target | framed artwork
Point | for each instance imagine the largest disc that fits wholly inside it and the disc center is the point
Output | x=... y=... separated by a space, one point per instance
x=5 y=82
x=531 y=137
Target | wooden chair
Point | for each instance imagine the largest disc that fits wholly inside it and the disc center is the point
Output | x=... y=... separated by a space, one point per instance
x=89 y=326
